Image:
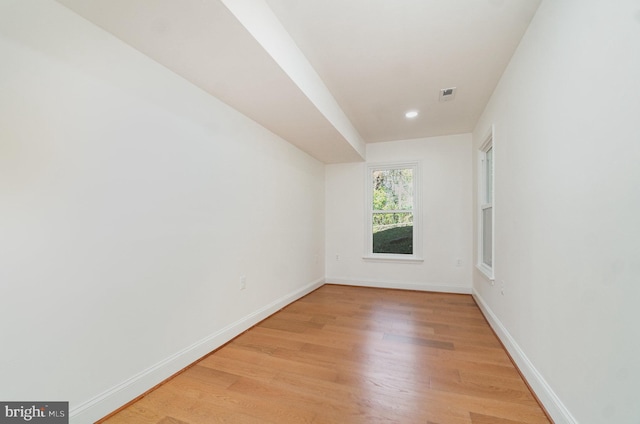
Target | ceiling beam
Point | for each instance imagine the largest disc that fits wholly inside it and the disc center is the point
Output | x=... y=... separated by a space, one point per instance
x=260 y=21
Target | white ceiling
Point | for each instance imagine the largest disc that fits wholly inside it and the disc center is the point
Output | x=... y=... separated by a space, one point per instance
x=330 y=75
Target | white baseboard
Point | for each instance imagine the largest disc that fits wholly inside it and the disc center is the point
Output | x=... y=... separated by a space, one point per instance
x=112 y=399
x=443 y=288
x=552 y=403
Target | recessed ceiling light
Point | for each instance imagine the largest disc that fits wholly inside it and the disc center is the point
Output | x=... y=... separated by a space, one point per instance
x=411 y=114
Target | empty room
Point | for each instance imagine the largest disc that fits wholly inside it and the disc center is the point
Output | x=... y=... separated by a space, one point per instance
x=336 y=211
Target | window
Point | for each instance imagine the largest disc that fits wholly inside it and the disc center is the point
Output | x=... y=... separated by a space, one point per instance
x=392 y=211
x=485 y=208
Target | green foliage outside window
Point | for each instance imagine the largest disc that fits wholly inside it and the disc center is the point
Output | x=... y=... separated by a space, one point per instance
x=393 y=211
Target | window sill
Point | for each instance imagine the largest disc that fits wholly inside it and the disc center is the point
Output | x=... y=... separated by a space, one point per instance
x=486 y=271
x=393 y=258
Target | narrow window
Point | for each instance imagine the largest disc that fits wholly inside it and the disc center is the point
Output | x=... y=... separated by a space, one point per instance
x=485 y=201
x=393 y=216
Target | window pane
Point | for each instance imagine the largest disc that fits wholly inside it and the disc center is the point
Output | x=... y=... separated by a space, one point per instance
x=393 y=233
x=489 y=175
x=487 y=236
x=393 y=189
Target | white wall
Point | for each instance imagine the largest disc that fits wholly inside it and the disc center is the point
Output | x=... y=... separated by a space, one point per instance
x=446 y=198
x=567 y=205
x=131 y=202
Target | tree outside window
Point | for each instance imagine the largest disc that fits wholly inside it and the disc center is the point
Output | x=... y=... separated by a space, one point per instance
x=392 y=214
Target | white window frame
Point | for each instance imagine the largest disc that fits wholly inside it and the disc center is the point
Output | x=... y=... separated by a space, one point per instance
x=486 y=199
x=416 y=210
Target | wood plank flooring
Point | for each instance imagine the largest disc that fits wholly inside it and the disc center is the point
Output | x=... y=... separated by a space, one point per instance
x=352 y=355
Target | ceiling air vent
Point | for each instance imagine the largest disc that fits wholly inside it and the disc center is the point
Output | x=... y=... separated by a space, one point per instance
x=447 y=94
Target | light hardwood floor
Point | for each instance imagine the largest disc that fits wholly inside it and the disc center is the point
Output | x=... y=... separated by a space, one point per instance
x=352 y=355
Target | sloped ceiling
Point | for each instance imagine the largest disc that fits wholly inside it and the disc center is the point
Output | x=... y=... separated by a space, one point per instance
x=329 y=76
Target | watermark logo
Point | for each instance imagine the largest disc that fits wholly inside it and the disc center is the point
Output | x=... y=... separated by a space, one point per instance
x=34 y=412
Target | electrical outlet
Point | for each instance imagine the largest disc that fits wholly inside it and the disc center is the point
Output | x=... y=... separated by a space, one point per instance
x=243 y=282
x=337 y=257
x=458 y=262
x=502 y=287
